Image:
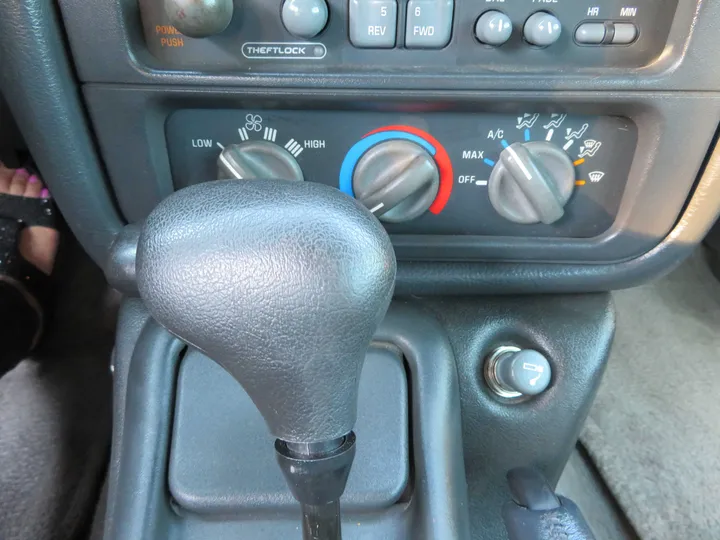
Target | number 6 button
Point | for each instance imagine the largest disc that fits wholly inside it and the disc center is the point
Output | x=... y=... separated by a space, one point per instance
x=429 y=24
x=373 y=23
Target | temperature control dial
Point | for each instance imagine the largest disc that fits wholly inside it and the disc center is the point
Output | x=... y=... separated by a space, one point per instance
x=396 y=180
x=258 y=159
x=532 y=182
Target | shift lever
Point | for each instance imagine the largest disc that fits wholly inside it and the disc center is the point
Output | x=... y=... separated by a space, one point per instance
x=283 y=284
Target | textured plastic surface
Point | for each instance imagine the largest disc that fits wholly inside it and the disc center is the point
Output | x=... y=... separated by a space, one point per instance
x=149 y=373
x=474 y=144
x=565 y=521
x=283 y=283
x=531 y=490
x=645 y=216
x=436 y=511
x=445 y=29
x=575 y=332
x=214 y=416
x=687 y=63
x=37 y=82
x=120 y=263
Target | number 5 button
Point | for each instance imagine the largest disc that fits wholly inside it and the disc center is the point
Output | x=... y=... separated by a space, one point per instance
x=429 y=24
x=373 y=23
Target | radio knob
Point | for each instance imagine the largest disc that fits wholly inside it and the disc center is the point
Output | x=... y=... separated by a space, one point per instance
x=258 y=159
x=493 y=28
x=532 y=182
x=542 y=29
x=199 y=18
x=396 y=180
x=305 y=18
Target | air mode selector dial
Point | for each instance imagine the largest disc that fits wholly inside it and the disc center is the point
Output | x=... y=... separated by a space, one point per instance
x=397 y=180
x=532 y=182
x=257 y=159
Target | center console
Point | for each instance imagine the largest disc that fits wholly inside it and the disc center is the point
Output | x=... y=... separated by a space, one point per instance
x=506 y=146
x=333 y=95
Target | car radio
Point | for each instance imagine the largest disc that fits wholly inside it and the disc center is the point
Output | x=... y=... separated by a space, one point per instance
x=405 y=35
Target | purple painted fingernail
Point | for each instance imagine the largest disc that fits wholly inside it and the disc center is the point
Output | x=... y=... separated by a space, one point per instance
x=22 y=171
x=33 y=179
x=45 y=194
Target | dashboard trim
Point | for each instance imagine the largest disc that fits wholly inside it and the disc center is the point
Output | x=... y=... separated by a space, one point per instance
x=125 y=58
x=131 y=121
x=36 y=68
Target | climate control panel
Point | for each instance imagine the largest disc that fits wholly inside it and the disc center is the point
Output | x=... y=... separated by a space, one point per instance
x=529 y=174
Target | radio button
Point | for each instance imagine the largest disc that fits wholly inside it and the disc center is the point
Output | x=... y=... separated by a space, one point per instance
x=305 y=18
x=590 y=33
x=625 y=33
x=493 y=28
x=429 y=23
x=542 y=29
x=373 y=23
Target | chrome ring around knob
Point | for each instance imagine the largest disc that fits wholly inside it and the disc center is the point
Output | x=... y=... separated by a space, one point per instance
x=514 y=373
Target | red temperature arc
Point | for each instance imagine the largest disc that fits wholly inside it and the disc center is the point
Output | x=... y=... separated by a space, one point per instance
x=441 y=158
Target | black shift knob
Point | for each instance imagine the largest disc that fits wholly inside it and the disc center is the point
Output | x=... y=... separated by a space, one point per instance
x=282 y=283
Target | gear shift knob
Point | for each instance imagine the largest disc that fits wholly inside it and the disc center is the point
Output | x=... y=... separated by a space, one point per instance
x=282 y=283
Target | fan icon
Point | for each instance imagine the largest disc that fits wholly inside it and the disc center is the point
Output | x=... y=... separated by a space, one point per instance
x=253 y=122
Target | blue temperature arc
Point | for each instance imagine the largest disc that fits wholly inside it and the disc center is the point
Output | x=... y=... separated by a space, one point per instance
x=363 y=145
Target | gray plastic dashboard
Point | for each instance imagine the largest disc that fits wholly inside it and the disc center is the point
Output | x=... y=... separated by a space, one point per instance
x=658 y=184
x=684 y=63
x=672 y=95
